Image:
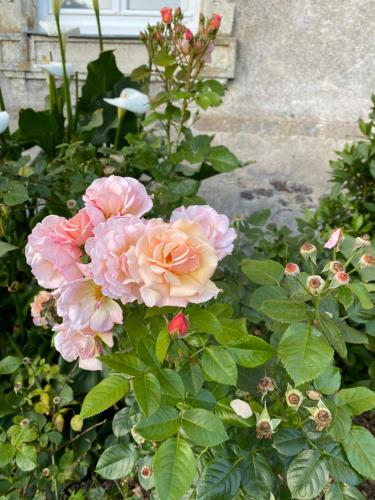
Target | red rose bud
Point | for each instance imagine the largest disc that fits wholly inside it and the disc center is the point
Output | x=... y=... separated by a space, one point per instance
x=291 y=270
x=188 y=35
x=215 y=22
x=179 y=324
x=166 y=15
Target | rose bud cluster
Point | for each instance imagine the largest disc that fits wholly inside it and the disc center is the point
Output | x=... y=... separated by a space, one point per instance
x=132 y=259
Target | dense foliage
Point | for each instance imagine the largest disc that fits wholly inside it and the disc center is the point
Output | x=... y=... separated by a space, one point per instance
x=246 y=396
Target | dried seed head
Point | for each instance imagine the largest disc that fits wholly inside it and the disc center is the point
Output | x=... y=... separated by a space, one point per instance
x=45 y=472
x=264 y=430
x=321 y=416
x=71 y=204
x=315 y=284
x=293 y=397
x=314 y=395
x=146 y=472
x=340 y=279
x=56 y=400
x=362 y=242
x=266 y=385
x=367 y=260
x=25 y=422
x=308 y=252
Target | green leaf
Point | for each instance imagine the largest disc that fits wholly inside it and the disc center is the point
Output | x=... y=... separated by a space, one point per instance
x=124 y=363
x=192 y=377
x=332 y=333
x=289 y=442
x=343 y=492
x=220 y=480
x=219 y=365
x=174 y=469
x=26 y=458
x=201 y=320
x=307 y=475
x=329 y=381
x=341 y=423
x=15 y=194
x=362 y=294
x=102 y=75
x=360 y=449
x=231 y=330
x=122 y=423
x=171 y=383
x=263 y=272
x=104 y=395
x=163 y=424
x=162 y=58
x=266 y=292
x=41 y=128
x=304 y=352
x=203 y=427
x=222 y=159
x=251 y=351
x=285 y=311
x=257 y=476
x=9 y=365
x=7 y=452
x=6 y=247
x=356 y=399
x=345 y=296
x=338 y=465
x=162 y=344
x=147 y=392
x=116 y=462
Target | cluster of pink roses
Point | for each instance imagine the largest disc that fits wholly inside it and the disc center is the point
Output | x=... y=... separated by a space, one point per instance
x=131 y=259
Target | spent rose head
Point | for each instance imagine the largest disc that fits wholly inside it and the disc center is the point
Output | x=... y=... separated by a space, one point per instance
x=131 y=259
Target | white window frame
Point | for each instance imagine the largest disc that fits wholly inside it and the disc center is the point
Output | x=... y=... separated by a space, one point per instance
x=116 y=22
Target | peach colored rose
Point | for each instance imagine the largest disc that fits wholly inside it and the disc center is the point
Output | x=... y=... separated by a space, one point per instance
x=82 y=305
x=116 y=196
x=108 y=251
x=215 y=226
x=50 y=253
x=79 y=228
x=85 y=345
x=36 y=307
x=173 y=264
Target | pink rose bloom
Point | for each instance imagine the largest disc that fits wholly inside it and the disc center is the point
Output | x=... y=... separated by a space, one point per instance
x=108 y=250
x=335 y=238
x=50 y=253
x=36 y=307
x=79 y=228
x=116 y=196
x=173 y=264
x=83 y=344
x=82 y=305
x=215 y=226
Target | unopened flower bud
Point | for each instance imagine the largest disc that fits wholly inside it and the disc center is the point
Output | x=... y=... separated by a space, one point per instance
x=367 y=260
x=241 y=408
x=179 y=325
x=339 y=279
x=334 y=266
x=215 y=22
x=293 y=397
x=166 y=15
x=314 y=395
x=335 y=239
x=188 y=35
x=308 y=252
x=265 y=425
x=321 y=416
x=71 y=204
x=362 y=243
x=59 y=422
x=146 y=472
x=266 y=385
x=291 y=270
x=25 y=422
x=315 y=284
x=76 y=423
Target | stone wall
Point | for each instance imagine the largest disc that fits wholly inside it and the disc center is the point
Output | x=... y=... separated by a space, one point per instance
x=297 y=82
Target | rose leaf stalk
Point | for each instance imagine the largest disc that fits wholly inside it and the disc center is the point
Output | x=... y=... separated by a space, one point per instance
x=95 y=4
x=65 y=74
x=120 y=118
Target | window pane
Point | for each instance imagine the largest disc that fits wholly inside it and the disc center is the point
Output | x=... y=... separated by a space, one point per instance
x=152 y=4
x=85 y=4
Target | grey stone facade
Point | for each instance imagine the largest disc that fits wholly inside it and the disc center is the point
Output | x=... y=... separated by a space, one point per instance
x=299 y=75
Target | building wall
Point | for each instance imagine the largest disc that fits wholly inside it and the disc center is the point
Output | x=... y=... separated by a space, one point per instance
x=299 y=75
